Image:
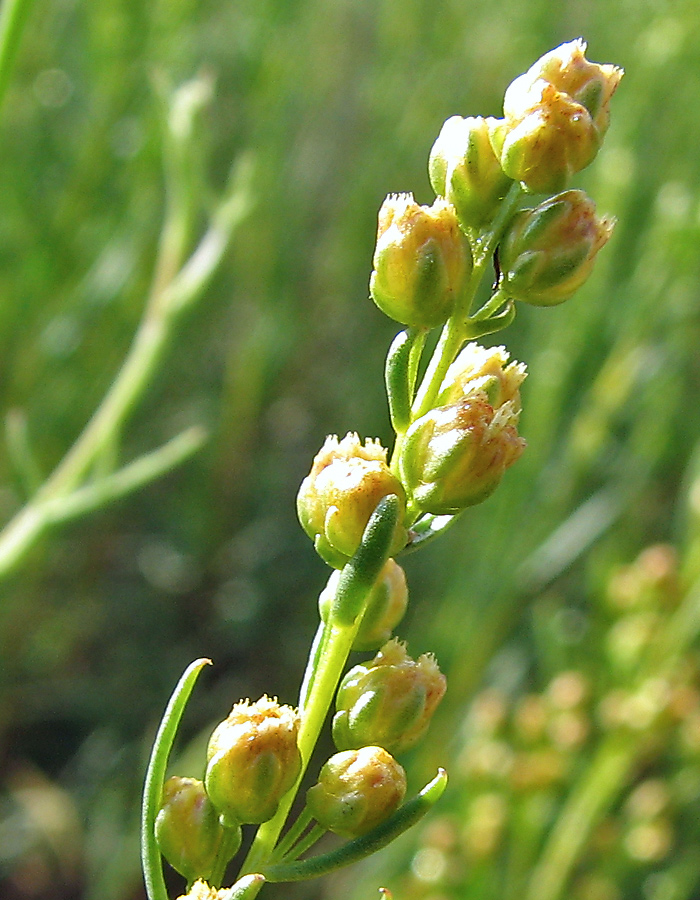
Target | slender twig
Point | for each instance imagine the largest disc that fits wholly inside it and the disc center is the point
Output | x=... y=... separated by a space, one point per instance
x=137 y=371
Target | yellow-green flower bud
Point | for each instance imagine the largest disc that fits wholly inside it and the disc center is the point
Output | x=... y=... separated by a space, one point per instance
x=187 y=828
x=386 y=606
x=546 y=138
x=566 y=67
x=252 y=761
x=485 y=369
x=388 y=701
x=337 y=498
x=200 y=890
x=548 y=252
x=455 y=455
x=357 y=790
x=464 y=169
x=421 y=262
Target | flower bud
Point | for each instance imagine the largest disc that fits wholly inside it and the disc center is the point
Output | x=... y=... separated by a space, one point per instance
x=464 y=169
x=548 y=252
x=200 y=890
x=545 y=138
x=388 y=701
x=252 y=761
x=421 y=262
x=337 y=498
x=386 y=606
x=357 y=790
x=187 y=828
x=485 y=369
x=455 y=455
x=566 y=67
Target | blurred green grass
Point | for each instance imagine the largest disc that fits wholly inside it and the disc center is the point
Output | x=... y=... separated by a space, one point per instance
x=339 y=102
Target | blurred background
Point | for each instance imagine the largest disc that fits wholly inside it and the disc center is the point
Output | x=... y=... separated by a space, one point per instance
x=533 y=603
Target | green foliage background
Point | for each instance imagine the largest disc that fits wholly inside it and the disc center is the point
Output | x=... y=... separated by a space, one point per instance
x=338 y=102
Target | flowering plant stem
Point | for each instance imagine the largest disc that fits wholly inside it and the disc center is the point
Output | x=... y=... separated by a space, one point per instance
x=453 y=444
x=459 y=327
x=326 y=664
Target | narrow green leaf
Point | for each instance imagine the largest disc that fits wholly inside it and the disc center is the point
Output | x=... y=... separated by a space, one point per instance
x=155 y=775
x=399 y=375
x=360 y=573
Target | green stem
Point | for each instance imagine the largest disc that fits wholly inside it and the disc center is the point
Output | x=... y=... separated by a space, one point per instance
x=129 y=478
x=229 y=845
x=292 y=836
x=155 y=775
x=142 y=360
x=448 y=346
x=323 y=683
x=492 y=305
x=455 y=331
x=317 y=647
x=613 y=763
x=307 y=842
x=329 y=657
x=13 y=17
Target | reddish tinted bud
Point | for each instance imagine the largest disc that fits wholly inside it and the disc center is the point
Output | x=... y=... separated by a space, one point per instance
x=389 y=701
x=252 y=761
x=357 y=790
x=337 y=498
x=421 y=262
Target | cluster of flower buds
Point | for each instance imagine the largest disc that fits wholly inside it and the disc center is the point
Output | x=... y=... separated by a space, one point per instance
x=383 y=707
x=457 y=438
x=252 y=761
x=456 y=434
x=555 y=118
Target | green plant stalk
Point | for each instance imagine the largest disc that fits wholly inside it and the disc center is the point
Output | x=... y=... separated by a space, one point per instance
x=146 y=351
x=306 y=842
x=328 y=657
x=600 y=785
x=13 y=17
x=325 y=675
x=292 y=836
x=229 y=846
x=155 y=775
x=129 y=478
